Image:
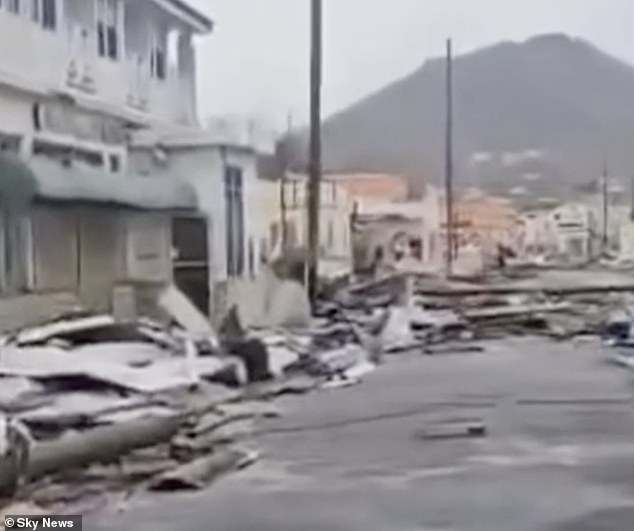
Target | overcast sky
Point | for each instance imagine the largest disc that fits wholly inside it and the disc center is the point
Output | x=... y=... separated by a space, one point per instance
x=256 y=61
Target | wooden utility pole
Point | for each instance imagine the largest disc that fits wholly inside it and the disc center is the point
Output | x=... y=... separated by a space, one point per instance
x=315 y=149
x=632 y=200
x=283 y=181
x=604 y=240
x=449 y=161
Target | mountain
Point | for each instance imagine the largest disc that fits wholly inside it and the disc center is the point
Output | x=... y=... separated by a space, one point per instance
x=532 y=118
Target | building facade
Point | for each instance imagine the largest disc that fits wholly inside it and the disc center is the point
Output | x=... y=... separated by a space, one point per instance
x=83 y=75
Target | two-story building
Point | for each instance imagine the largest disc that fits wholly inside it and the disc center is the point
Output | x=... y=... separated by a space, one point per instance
x=78 y=80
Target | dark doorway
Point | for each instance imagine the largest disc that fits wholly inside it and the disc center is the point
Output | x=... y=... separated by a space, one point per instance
x=191 y=260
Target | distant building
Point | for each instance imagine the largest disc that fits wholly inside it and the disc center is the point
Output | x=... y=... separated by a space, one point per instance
x=485 y=221
x=575 y=228
x=399 y=234
x=283 y=211
x=372 y=188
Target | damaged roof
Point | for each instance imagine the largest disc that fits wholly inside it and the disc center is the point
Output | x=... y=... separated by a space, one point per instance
x=55 y=181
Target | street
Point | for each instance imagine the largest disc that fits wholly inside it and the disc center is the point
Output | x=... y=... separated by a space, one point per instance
x=558 y=454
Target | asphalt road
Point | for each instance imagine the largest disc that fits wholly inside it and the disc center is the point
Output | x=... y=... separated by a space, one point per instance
x=558 y=456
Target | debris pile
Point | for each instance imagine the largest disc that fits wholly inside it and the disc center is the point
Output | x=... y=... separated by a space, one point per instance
x=91 y=406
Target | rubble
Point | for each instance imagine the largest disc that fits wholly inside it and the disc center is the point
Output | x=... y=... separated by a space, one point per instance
x=90 y=405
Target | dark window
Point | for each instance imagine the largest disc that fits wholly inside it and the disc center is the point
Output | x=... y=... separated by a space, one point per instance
x=49 y=14
x=10 y=143
x=67 y=154
x=107 y=30
x=157 y=63
x=115 y=163
x=14 y=6
x=234 y=218
x=37 y=119
x=251 y=258
x=101 y=39
x=190 y=238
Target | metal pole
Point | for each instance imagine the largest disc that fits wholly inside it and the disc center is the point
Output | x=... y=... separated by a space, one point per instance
x=449 y=161
x=315 y=149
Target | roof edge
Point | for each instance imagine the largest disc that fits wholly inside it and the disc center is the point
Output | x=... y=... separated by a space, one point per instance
x=201 y=22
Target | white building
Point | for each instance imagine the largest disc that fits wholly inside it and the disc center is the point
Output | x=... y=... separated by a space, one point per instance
x=77 y=77
x=224 y=178
x=406 y=231
x=575 y=229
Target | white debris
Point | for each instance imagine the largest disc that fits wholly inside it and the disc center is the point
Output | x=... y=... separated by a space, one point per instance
x=180 y=308
x=43 y=333
x=290 y=307
x=280 y=357
x=397 y=333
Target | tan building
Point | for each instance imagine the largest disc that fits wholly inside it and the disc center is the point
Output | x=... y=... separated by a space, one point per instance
x=485 y=221
x=288 y=202
x=373 y=188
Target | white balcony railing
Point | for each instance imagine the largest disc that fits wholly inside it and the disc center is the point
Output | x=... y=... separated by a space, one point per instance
x=67 y=61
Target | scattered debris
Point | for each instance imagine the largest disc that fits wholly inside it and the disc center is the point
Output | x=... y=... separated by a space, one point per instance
x=453 y=430
x=91 y=405
x=200 y=472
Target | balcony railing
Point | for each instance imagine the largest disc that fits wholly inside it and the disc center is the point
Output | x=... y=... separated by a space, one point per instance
x=66 y=60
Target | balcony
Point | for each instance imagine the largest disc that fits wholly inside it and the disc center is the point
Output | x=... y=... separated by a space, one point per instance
x=65 y=60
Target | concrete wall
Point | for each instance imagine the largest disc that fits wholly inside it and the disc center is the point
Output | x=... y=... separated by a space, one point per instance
x=16 y=111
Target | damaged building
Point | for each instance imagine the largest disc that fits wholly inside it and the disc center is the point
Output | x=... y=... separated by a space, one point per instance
x=398 y=234
x=79 y=225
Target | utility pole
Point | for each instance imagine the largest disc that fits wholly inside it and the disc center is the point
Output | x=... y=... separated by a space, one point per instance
x=632 y=200
x=315 y=150
x=283 y=181
x=449 y=161
x=604 y=241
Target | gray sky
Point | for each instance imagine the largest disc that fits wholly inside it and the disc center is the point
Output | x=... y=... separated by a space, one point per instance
x=256 y=61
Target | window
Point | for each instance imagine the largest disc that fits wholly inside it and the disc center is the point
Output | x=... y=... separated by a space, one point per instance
x=49 y=14
x=158 y=67
x=14 y=6
x=107 y=28
x=115 y=163
x=234 y=219
x=331 y=235
x=10 y=143
x=251 y=258
x=67 y=154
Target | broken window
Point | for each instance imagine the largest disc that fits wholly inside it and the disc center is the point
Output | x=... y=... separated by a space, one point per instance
x=107 y=28
x=234 y=214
